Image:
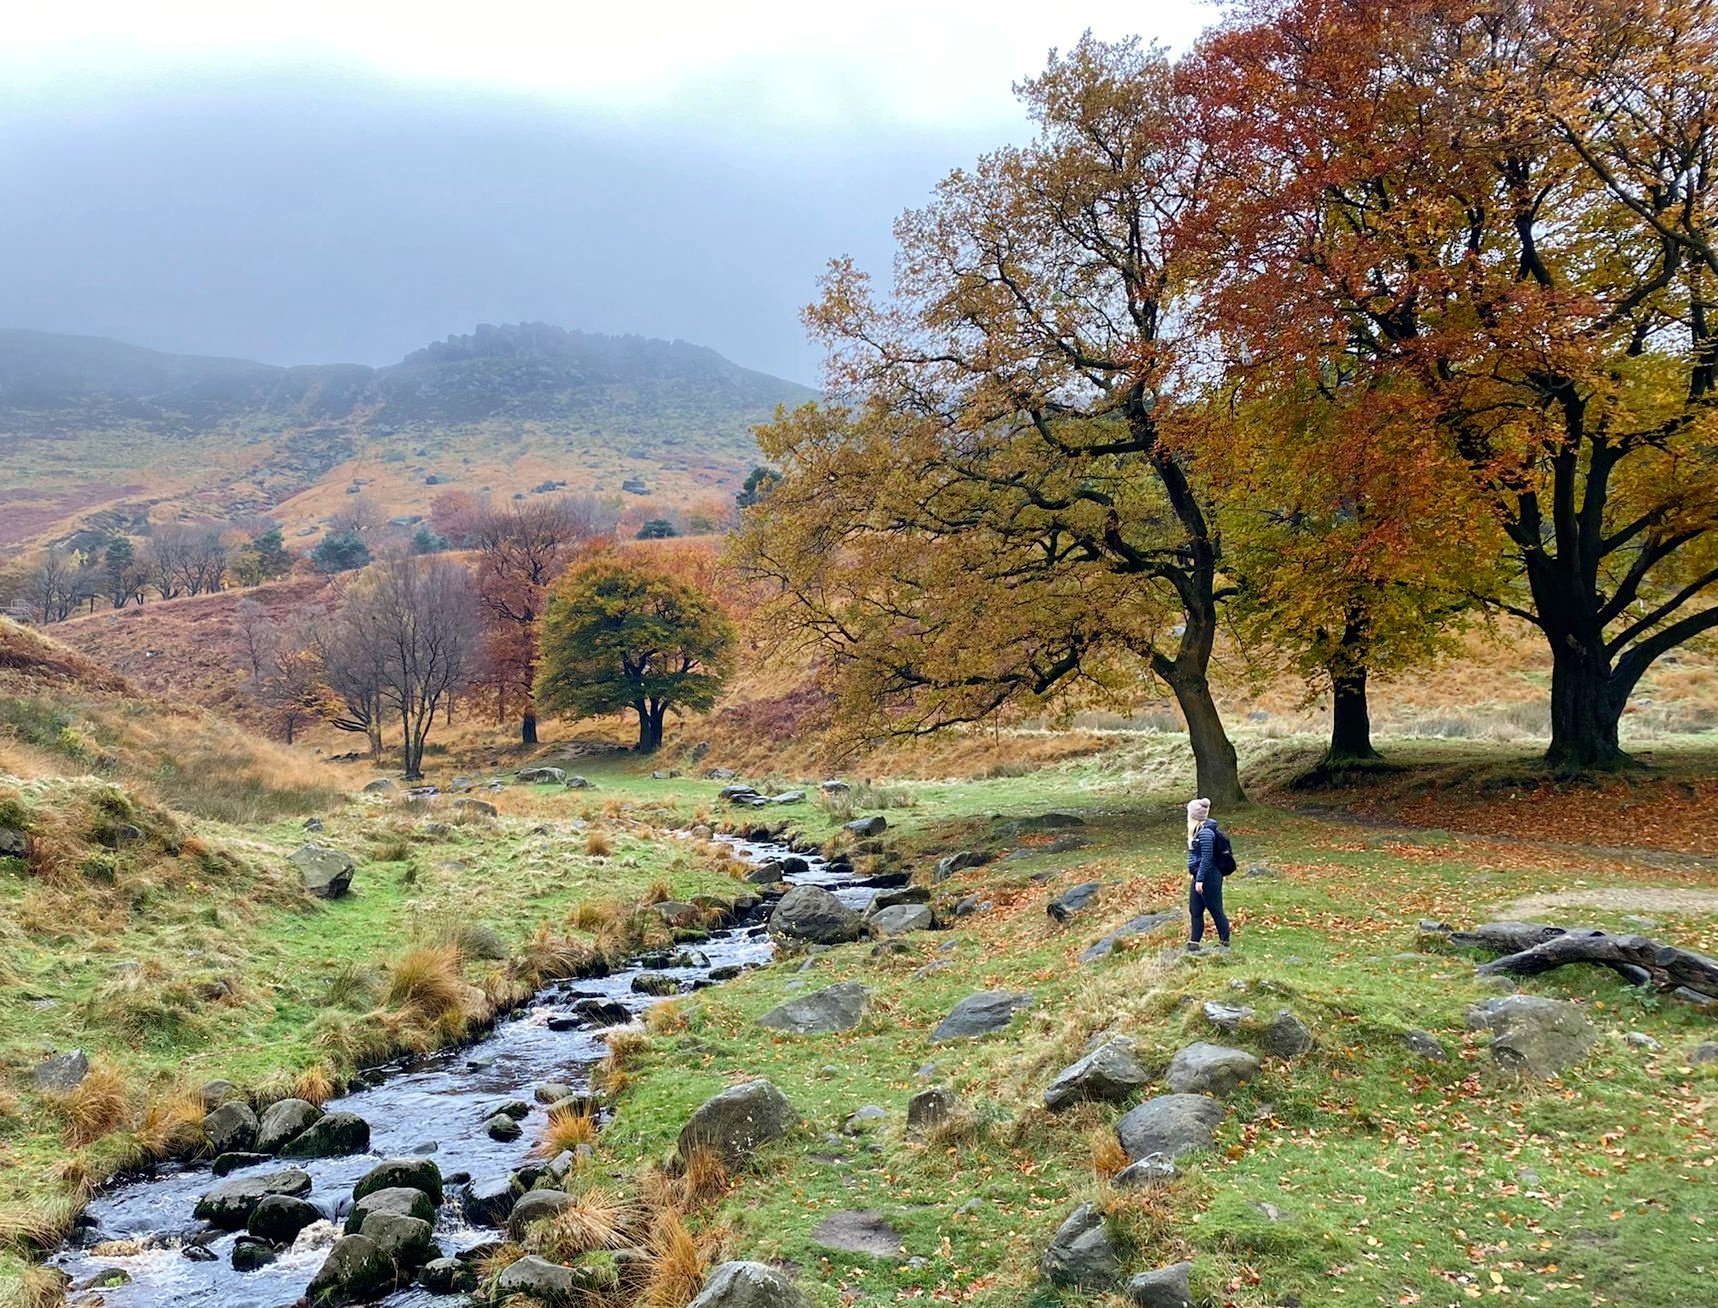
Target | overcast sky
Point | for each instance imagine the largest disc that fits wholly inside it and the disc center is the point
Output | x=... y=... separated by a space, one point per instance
x=319 y=181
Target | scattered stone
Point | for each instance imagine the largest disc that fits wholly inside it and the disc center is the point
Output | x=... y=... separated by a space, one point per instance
x=655 y=983
x=540 y=776
x=1081 y=1255
x=541 y=1281
x=1153 y=1169
x=860 y=1232
x=1534 y=1036
x=280 y=1217
x=448 y=1276
x=212 y=1094
x=932 y=1107
x=604 y=1012
x=323 y=871
x=1202 y=1069
x=380 y=786
x=1226 y=1017
x=896 y=896
x=947 y=867
x=901 y=919
x=1111 y=1073
x=230 y=1204
x=1287 y=1036
x=861 y=1120
x=503 y=1128
x=355 y=1271
x=748 y=1285
x=736 y=1122
x=476 y=808
x=1142 y=925
x=1704 y=1052
x=409 y=1242
x=61 y=1073
x=231 y=1128
x=676 y=914
x=837 y=1008
x=813 y=913
x=412 y=1173
x=580 y=783
x=1171 y=1125
x=1167 y=1287
x=330 y=1136
x=225 y=1163
x=1060 y=820
x=250 y=1254
x=875 y=825
x=980 y=1014
x=1076 y=900
x=1423 y=1044
x=489 y=1200
x=313 y=824
x=14 y=843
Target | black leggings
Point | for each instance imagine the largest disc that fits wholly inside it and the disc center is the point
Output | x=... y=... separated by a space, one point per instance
x=1211 y=901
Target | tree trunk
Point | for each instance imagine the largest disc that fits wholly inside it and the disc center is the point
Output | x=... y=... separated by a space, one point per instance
x=528 y=728
x=1217 y=772
x=1585 y=710
x=1350 y=718
x=650 y=714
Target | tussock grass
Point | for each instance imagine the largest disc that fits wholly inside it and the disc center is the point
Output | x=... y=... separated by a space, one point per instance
x=567 y=1129
x=596 y=1219
x=678 y=1262
x=425 y=982
x=598 y=844
x=658 y=892
x=99 y=1105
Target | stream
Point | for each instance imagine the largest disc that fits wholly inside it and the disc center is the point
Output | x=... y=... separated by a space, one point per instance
x=434 y=1105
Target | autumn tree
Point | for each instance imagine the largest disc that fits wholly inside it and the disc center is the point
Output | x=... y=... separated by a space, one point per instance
x=418 y=617
x=618 y=637
x=1029 y=377
x=1504 y=211
x=522 y=548
x=55 y=583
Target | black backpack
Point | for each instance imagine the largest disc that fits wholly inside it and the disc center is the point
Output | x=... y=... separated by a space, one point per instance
x=1222 y=852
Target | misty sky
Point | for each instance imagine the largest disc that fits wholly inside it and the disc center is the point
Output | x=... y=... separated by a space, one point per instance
x=321 y=182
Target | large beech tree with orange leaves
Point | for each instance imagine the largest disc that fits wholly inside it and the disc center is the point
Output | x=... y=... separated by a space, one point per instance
x=1004 y=508
x=1501 y=211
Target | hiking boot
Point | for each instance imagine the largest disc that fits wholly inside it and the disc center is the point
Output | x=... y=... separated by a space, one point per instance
x=1192 y=946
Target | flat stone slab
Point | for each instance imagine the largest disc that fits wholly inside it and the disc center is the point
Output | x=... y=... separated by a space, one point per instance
x=1206 y=1069
x=837 y=1008
x=980 y=1014
x=861 y=1232
x=1142 y=925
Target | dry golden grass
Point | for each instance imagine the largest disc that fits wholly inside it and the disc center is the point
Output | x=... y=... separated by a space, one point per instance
x=315 y=1084
x=592 y=915
x=171 y=1124
x=41 y=1287
x=98 y=1106
x=41 y=1225
x=624 y=1046
x=545 y=956
x=498 y=1259
x=598 y=844
x=425 y=982
x=567 y=1129
x=703 y=1179
x=678 y=1262
x=658 y=892
x=596 y=1219
x=665 y=1018
x=1108 y=1157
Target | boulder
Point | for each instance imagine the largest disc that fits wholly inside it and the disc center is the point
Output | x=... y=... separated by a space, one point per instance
x=676 y=914
x=737 y=1121
x=330 y=1136
x=899 y=919
x=503 y=1128
x=1142 y=925
x=1534 y=1036
x=476 y=808
x=1171 y=1125
x=409 y=1242
x=539 y=1281
x=837 y=1008
x=897 y=895
x=947 y=867
x=655 y=983
x=980 y=1014
x=225 y=1163
x=1057 y=820
x=1111 y=1072
x=280 y=1217
x=1423 y=1044
x=410 y=1173
x=355 y=1271
x=1075 y=900
x=230 y=1204
x=251 y=1254
x=448 y=1276
x=489 y=1200
x=397 y=1200
x=1165 y=1288
x=1081 y=1256
x=13 y=843
x=1286 y=1037
x=380 y=786
x=812 y=913
x=861 y=1232
x=323 y=871
x=1704 y=1052
x=61 y=1073
x=605 y=1012
x=541 y=776
x=1205 y=1069
x=875 y=825
x=231 y=1128
x=748 y=1285
x=536 y=1206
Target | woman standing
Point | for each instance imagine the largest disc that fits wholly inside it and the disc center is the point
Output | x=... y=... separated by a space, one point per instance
x=1206 y=892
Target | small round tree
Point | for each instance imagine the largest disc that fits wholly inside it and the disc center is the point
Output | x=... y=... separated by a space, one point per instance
x=619 y=638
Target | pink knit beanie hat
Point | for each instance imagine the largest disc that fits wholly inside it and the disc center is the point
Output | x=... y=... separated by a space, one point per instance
x=1198 y=810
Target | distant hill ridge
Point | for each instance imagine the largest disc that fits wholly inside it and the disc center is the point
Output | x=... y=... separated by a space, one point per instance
x=526 y=370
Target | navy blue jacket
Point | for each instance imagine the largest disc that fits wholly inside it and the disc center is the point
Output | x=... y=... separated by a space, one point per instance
x=1202 y=855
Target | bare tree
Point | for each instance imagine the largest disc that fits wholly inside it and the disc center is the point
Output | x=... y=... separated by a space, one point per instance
x=420 y=614
x=360 y=514
x=55 y=583
x=350 y=656
x=164 y=559
x=256 y=635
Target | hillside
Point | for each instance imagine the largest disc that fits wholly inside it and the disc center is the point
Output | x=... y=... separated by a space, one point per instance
x=102 y=434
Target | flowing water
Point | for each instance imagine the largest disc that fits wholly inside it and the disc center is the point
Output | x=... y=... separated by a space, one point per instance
x=435 y=1104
